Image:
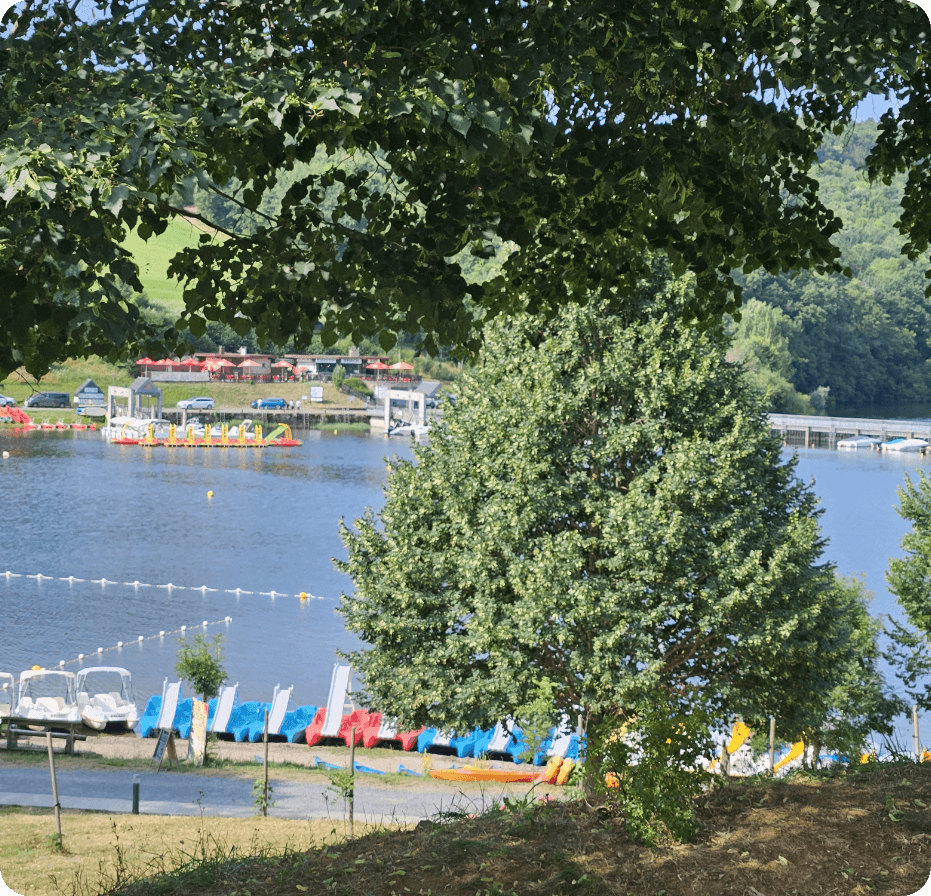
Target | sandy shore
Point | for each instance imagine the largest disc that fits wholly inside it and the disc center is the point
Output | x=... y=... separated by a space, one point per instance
x=130 y=748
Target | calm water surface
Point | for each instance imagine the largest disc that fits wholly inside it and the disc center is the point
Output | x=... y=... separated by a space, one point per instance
x=76 y=506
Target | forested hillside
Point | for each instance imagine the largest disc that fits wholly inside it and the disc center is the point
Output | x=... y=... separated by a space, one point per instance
x=818 y=342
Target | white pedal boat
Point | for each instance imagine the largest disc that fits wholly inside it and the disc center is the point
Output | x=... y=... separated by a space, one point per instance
x=105 y=696
x=48 y=695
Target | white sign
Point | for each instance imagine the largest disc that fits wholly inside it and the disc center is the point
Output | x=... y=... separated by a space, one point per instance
x=316 y=393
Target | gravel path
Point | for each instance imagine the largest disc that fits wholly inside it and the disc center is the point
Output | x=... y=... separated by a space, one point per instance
x=87 y=781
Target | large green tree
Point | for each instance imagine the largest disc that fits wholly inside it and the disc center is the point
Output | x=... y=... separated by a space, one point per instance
x=579 y=133
x=909 y=579
x=602 y=515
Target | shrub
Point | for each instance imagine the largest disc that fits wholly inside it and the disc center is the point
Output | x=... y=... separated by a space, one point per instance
x=200 y=665
x=648 y=765
x=357 y=385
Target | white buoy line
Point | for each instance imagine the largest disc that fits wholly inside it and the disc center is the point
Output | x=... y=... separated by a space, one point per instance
x=170 y=586
x=100 y=651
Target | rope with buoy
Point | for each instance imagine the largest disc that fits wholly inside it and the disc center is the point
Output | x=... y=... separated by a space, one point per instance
x=168 y=586
x=141 y=639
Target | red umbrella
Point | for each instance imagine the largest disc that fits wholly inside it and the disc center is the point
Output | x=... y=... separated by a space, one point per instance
x=401 y=365
x=145 y=362
x=283 y=363
x=249 y=363
x=377 y=365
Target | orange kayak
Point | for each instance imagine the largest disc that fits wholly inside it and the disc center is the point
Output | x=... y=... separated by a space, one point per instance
x=471 y=773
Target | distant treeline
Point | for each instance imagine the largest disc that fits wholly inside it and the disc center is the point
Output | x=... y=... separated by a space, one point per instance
x=819 y=343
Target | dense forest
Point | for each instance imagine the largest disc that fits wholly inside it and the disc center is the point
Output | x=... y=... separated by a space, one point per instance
x=817 y=343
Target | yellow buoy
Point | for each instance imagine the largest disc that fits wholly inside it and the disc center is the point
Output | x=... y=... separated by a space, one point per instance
x=303 y=595
x=36 y=668
x=335 y=432
x=209 y=494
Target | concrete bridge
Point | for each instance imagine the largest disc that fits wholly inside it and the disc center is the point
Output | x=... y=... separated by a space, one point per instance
x=823 y=432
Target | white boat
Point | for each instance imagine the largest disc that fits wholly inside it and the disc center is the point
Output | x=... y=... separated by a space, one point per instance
x=135 y=428
x=105 y=696
x=7 y=689
x=416 y=430
x=48 y=694
x=904 y=445
x=859 y=442
x=196 y=429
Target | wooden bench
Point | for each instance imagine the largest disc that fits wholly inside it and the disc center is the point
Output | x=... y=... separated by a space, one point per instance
x=16 y=728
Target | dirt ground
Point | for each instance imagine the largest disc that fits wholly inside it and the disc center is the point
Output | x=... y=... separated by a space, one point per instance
x=856 y=832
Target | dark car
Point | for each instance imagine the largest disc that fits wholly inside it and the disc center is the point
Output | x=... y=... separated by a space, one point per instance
x=269 y=403
x=49 y=400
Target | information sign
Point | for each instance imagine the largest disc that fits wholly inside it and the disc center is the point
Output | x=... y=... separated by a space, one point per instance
x=165 y=747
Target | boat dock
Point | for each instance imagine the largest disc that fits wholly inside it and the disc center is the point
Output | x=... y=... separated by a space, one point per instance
x=799 y=431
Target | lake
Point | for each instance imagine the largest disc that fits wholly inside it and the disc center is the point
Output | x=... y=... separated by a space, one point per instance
x=77 y=506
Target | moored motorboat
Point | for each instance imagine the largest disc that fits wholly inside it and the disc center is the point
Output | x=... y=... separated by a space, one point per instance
x=903 y=445
x=854 y=442
x=105 y=696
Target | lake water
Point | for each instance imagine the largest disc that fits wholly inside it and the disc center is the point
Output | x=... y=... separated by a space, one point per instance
x=77 y=506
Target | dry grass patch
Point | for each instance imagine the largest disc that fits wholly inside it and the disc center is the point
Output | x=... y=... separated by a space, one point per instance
x=101 y=850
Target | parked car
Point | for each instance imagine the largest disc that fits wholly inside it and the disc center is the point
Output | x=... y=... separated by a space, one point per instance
x=269 y=403
x=49 y=400
x=7 y=402
x=201 y=403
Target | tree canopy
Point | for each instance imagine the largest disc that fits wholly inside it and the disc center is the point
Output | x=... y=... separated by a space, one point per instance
x=578 y=135
x=602 y=515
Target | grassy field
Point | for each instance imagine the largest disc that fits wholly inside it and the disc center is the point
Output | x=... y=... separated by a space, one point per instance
x=101 y=850
x=153 y=257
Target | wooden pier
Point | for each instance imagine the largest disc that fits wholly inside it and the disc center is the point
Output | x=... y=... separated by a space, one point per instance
x=824 y=432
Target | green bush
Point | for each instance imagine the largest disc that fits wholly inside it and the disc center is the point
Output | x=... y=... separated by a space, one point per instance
x=653 y=760
x=358 y=385
x=339 y=375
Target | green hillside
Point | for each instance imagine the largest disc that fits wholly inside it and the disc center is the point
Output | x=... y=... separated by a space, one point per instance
x=845 y=342
x=153 y=258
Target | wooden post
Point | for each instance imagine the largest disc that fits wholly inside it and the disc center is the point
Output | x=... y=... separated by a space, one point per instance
x=352 y=778
x=915 y=732
x=725 y=759
x=51 y=765
x=772 y=745
x=265 y=784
